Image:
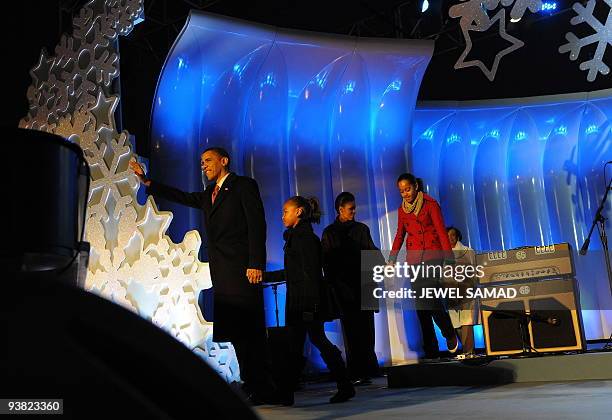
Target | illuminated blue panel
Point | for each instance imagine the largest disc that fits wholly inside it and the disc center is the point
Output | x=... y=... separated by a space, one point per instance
x=491 y=196
x=560 y=164
x=456 y=184
x=427 y=150
x=350 y=140
x=264 y=143
x=537 y=174
x=302 y=113
x=223 y=118
x=594 y=150
x=309 y=139
x=394 y=81
x=174 y=147
x=525 y=183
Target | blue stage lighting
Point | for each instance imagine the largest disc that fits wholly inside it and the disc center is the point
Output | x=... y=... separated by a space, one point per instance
x=428 y=134
x=453 y=138
x=591 y=129
x=424 y=6
x=561 y=130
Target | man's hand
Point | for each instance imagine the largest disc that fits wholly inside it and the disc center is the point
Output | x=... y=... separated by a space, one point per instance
x=139 y=171
x=254 y=275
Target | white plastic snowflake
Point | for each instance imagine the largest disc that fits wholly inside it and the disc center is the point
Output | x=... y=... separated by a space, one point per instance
x=519 y=8
x=602 y=37
x=132 y=261
x=473 y=13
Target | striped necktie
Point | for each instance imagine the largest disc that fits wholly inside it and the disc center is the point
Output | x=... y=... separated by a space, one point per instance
x=215 y=192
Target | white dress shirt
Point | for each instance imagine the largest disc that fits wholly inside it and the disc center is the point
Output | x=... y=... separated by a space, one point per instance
x=220 y=182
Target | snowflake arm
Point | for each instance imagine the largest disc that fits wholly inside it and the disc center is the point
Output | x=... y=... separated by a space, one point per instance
x=602 y=37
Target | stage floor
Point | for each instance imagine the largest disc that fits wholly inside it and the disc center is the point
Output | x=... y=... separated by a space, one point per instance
x=500 y=371
x=563 y=400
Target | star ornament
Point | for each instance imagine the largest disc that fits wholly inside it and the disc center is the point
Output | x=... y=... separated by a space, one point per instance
x=40 y=73
x=489 y=73
x=104 y=111
x=153 y=224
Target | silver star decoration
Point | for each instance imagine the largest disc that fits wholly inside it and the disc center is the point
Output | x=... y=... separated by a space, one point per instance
x=516 y=44
x=153 y=224
x=104 y=111
x=40 y=73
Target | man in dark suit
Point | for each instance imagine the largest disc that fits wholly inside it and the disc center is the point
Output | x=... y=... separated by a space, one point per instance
x=235 y=225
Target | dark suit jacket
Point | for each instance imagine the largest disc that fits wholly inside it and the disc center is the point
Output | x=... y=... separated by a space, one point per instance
x=235 y=228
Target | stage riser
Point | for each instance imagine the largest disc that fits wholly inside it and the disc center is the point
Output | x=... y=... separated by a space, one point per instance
x=555 y=368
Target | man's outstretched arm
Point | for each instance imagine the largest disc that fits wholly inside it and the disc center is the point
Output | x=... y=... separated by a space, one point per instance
x=167 y=192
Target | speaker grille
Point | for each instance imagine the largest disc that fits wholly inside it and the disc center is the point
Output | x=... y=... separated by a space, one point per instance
x=504 y=330
x=546 y=334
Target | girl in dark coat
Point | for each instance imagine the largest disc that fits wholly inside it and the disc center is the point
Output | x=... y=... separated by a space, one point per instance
x=342 y=243
x=305 y=311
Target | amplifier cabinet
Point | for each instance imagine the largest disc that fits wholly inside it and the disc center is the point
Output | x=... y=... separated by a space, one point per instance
x=526 y=263
x=549 y=308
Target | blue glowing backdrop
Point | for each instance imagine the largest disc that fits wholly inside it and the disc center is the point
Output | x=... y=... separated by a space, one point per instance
x=313 y=114
x=521 y=172
x=299 y=112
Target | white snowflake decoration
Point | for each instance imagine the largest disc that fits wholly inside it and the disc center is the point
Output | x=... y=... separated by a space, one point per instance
x=519 y=8
x=602 y=37
x=132 y=261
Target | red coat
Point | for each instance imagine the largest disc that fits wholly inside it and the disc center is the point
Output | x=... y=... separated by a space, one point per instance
x=426 y=233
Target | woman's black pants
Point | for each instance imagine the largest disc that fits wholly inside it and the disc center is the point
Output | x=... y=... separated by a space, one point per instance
x=359 y=340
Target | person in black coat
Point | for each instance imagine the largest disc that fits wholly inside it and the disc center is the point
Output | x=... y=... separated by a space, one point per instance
x=306 y=307
x=235 y=225
x=342 y=243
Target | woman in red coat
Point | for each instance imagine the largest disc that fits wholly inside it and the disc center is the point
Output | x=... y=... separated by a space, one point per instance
x=420 y=221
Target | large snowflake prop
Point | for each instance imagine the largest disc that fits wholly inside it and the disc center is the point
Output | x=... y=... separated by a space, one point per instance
x=602 y=37
x=132 y=262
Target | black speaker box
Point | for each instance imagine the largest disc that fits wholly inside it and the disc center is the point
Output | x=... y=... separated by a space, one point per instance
x=550 y=310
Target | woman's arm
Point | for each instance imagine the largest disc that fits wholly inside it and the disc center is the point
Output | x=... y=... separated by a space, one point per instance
x=400 y=234
x=327 y=257
x=439 y=226
x=369 y=245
